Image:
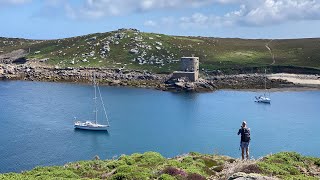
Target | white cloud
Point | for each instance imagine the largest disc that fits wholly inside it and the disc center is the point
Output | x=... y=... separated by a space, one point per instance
x=279 y=11
x=14 y=2
x=256 y=13
x=102 y=8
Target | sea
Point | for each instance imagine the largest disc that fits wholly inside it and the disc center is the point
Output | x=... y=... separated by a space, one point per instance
x=37 y=123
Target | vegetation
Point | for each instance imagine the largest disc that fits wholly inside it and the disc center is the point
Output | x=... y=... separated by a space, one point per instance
x=291 y=165
x=195 y=166
x=159 y=52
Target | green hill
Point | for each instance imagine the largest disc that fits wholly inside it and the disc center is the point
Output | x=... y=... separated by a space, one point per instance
x=192 y=166
x=132 y=49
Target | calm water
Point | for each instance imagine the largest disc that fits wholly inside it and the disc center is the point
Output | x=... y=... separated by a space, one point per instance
x=37 y=123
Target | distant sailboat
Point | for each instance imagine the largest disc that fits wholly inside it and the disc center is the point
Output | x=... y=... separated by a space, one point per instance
x=93 y=125
x=263 y=98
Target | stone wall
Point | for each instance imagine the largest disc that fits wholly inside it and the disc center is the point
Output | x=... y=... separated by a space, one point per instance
x=192 y=76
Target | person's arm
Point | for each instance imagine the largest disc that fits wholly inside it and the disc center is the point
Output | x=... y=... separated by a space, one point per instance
x=239 y=132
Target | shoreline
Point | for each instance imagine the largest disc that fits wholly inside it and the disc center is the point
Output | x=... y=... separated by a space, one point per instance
x=163 y=82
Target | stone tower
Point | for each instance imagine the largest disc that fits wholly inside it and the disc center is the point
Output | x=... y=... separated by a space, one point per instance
x=189 y=68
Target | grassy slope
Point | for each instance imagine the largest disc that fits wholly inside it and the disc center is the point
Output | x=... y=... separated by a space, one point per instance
x=214 y=53
x=152 y=165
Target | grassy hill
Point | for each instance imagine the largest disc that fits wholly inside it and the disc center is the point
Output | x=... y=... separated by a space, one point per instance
x=132 y=49
x=193 y=166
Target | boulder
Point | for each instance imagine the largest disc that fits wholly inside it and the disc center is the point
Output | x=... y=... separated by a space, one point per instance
x=134 y=51
x=9 y=69
x=251 y=176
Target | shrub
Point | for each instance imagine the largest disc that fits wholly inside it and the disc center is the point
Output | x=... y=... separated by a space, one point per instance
x=174 y=171
x=166 y=177
x=194 y=176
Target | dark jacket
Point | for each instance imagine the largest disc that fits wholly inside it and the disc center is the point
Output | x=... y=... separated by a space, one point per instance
x=245 y=134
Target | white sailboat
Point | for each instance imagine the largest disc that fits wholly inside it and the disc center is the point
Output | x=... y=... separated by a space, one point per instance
x=93 y=125
x=263 y=98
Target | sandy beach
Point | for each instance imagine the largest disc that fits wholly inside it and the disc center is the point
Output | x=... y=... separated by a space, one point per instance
x=301 y=79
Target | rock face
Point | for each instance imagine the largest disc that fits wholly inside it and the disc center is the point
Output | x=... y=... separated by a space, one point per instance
x=183 y=84
x=17 y=57
x=251 y=176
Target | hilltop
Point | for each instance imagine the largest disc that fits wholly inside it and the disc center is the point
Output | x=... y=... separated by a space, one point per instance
x=192 y=166
x=158 y=53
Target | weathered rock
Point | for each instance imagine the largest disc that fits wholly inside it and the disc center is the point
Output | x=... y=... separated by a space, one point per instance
x=251 y=176
x=134 y=51
x=16 y=55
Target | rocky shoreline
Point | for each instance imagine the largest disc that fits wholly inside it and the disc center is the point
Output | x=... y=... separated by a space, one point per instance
x=134 y=78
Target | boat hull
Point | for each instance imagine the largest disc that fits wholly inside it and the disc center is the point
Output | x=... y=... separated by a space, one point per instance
x=89 y=125
x=91 y=128
x=263 y=100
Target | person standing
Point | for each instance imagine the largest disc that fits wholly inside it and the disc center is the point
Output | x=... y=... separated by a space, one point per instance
x=245 y=139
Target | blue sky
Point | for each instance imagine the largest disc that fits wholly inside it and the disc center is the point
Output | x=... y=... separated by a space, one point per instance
x=50 y=19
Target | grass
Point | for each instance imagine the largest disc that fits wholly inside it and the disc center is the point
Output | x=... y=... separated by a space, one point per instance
x=215 y=53
x=196 y=166
x=290 y=165
x=150 y=165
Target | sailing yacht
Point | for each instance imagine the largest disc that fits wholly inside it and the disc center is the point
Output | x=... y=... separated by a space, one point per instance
x=263 y=98
x=94 y=125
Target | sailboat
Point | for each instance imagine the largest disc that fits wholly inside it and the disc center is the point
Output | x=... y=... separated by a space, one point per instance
x=94 y=125
x=263 y=98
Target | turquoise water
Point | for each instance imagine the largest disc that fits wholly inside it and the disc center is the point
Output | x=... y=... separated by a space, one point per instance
x=37 y=123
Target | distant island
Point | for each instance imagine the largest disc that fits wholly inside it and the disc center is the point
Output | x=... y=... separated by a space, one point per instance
x=128 y=57
x=192 y=166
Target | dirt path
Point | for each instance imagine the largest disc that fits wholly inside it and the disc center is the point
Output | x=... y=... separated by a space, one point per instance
x=272 y=55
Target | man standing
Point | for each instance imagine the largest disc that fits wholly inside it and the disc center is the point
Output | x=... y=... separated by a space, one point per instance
x=245 y=139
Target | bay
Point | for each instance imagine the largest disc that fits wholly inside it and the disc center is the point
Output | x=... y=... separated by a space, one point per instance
x=37 y=123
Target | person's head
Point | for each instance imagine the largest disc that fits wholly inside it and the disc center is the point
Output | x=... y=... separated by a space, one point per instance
x=244 y=124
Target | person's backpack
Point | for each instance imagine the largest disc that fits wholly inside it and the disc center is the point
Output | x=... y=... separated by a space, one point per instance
x=245 y=135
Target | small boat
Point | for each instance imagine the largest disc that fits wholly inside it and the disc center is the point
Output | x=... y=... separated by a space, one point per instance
x=89 y=125
x=263 y=98
x=93 y=125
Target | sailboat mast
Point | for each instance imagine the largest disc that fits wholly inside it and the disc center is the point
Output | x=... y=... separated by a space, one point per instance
x=95 y=98
x=265 y=79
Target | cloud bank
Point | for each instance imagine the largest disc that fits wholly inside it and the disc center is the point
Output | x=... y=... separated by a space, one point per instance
x=248 y=13
x=255 y=13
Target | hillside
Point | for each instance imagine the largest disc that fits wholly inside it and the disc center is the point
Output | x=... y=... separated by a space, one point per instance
x=132 y=49
x=192 y=166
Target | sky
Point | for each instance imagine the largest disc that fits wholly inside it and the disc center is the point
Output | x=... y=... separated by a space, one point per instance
x=252 y=19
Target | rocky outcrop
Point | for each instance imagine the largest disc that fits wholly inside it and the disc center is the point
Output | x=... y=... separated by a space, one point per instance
x=16 y=57
x=183 y=84
x=251 y=176
x=246 y=81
